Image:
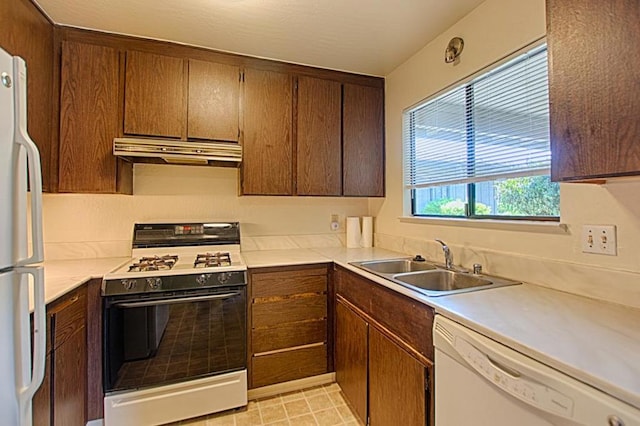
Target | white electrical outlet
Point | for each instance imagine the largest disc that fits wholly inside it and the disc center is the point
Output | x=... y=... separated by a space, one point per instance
x=599 y=239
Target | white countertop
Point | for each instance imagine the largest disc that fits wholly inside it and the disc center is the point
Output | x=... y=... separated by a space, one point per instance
x=62 y=276
x=596 y=342
x=266 y=258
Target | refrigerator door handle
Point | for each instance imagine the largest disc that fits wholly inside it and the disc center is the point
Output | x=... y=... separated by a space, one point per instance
x=31 y=382
x=33 y=160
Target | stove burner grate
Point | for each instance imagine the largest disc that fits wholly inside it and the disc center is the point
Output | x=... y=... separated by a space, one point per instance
x=154 y=263
x=209 y=260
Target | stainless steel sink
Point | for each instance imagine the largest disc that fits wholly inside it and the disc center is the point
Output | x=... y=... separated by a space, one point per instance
x=431 y=279
x=442 y=280
x=396 y=266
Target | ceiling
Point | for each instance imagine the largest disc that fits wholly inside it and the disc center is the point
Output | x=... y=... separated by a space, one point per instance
x=362 y=36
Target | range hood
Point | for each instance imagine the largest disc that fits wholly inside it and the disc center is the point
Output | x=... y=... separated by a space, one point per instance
x=178 y=152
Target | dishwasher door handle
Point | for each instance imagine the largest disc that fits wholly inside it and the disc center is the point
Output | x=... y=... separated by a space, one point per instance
x=174 y=301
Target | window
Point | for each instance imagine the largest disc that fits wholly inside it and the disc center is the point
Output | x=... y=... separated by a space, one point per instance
x=481 y=150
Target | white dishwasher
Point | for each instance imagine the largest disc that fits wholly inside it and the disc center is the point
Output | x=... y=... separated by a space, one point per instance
x=480 y=382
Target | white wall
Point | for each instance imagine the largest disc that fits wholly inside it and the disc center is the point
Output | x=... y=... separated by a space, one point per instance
x=551 y=257
x=79 y=225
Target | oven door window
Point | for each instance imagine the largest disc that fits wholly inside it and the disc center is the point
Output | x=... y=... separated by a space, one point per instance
x=166 y=340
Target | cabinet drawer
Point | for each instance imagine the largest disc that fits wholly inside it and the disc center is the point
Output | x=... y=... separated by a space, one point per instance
x=408 y=319
x=289 y=365
x=289 y=335
x=285 y=283
x=277 y=312
x=66 y=316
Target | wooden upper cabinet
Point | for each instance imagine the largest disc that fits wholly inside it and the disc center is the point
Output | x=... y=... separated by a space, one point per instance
x=214 y=101
x=363 y=141
x=593 y=88
x=88 y=118
x=154 y=98
x=319 y=146
x=267 y=146
x=27 y=33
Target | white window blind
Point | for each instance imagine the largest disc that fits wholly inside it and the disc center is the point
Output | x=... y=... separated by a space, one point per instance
x=495 y=126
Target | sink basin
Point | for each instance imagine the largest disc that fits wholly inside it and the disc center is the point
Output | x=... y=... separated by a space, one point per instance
x=429 y=279
x=396 y=266
x=442 y=280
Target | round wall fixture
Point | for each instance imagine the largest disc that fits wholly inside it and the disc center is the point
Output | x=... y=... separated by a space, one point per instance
x=453 y=50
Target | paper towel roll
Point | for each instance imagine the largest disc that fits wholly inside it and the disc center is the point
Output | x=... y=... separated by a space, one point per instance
x=367 y=231
x=353 y=232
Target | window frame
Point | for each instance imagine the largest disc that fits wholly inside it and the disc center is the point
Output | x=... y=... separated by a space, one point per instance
x=470 y=138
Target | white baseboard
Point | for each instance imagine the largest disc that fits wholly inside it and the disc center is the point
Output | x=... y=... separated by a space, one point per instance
x=292 y=386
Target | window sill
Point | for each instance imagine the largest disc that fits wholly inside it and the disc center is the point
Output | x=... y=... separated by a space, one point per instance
x=507 y=225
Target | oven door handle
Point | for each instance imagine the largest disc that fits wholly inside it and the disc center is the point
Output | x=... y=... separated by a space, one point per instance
x=174 y=301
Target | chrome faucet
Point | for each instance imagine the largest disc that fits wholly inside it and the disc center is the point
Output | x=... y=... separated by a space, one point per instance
x=448 y=257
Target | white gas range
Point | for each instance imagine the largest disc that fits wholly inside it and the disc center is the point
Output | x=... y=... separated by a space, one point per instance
x=175 y=325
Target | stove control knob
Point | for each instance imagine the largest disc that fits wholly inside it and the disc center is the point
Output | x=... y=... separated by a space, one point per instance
x=128 y=284
x=202 y=279
x=154 y=283
x=223 y=277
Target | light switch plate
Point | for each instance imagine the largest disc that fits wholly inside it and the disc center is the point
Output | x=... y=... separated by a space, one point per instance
x=599 y=239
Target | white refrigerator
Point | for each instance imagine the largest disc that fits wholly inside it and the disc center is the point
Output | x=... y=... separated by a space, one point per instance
x=22 y=354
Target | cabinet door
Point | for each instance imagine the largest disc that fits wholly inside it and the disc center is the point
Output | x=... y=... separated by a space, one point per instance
x=214 y=99
x=69 y=381
x=319 y=147
x=593 y=88
x=351 y=358
x=397 y=382
x=363 y=141
x=88 y=118
x=267 y=146
x=154 y=95
x=42 y=398
x=27 y=33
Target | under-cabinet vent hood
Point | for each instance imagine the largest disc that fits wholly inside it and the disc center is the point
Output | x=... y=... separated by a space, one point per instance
x=178 y=152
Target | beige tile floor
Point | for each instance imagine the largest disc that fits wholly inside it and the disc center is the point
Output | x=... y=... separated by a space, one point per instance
x=321 y=405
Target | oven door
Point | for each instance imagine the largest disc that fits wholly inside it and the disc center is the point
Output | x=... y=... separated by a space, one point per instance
x=173 y=337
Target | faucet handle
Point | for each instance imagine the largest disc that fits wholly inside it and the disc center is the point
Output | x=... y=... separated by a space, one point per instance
x=477 y=269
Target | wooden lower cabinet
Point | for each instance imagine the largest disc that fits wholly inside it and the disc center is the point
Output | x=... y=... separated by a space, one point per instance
x=384 y=377
x=289 y=331
x=396 y=384
x=351 y=358
x=69 y=381
x=42 y=398
x=61 y=399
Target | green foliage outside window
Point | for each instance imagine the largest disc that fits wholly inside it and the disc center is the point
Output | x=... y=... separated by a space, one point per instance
x=449 y=207
x=528 y=196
